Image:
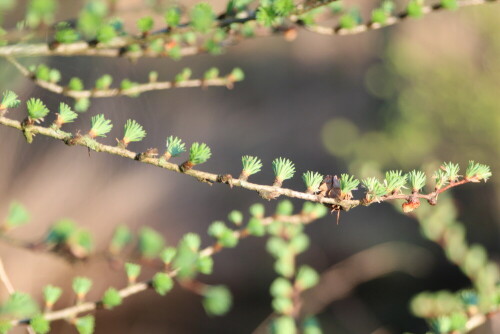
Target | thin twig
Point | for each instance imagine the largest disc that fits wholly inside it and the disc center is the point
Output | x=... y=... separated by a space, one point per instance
x=116 y=47
x=5 y=279
x=140 y=88
x=263 y=190
x=391 y=20
x=73 y=311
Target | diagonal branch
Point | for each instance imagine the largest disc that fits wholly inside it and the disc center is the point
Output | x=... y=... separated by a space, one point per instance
x=266 y=191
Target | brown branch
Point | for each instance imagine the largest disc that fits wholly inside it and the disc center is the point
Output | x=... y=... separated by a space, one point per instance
x=140 y=88
x=73 y=311
x=391 y=20
x=266 y=191
x=116 y=47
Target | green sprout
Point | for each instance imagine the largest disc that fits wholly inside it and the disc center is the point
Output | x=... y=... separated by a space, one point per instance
x=415 y=8
x=85 y=325
x=184 y=75
x=283 y=170
x=441 y=178
x=9 y=100
x=202 y=17
x=51 y=294
x=100 y=126
x=133 y=271
x=81 y=286
x=348 y=21
x=476 y=172
x=211 y=74
x=133 y=131
x=198 y=154
x=217 y=300
x=121 y=237
x=173 y=17
x=251 y=165
x=75 y=84
x=306 y=278
x=16 y=216
x=145 y=24
x=374 y=189
x=347 y=184
x=150 y=243
x=162 y=283
x=417 y=180
x=312 y=181
x=236 y=74
x=451 y=170
x=394 y=181
x=111 y=298
x=235 y=217
x=380 y=16
x=168 y=254
x=175 y=147
x=65 y=115
x=39 y=324
x=283 y=7
x=36 y=110
x=104 y=82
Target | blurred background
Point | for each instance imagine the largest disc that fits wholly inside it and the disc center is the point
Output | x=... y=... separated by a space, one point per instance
x=409 y=96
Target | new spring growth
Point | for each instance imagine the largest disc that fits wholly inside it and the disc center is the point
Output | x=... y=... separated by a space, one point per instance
x=198 y=154
x=132 y=131
x=16 y=216
x=236 y=75
x=251 y=165
x=306 y=278
x=476 y=172
x=65 y=115
x=150 y=243
x=162 y=283
x=100 y=126
x=104 y=82
x=39 y=324
x=51 y=295
x=36 y=111
x=111 y=299
x=217 y=300
x=312 y=181
x=133 y=271
x=85 y=325
x=121 y=238
x=9 y=100
x=283 y=170
x=347 y=184
x=374 y=189
x=184 y=75
x=175 y=147
x=81 y=286
x=417 y=181
x=394 y=181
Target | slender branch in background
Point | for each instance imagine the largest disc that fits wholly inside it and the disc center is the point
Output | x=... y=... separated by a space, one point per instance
x=73 y=311
x=390 y=20
x=227 y=81
x=116 y=47
x=5 y=279
x=342 y=278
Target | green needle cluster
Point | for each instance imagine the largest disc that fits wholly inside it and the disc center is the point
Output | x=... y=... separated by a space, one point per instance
x=65 y=115
x=251 y=165
x=312 y=181
x=100 y=126
x=283 y=170
x=9 y=100
x=198 y=154
x=175 y=147
x=36 y=110
x=476 y=171
x=394 y=181
x=133 y=131
x=417 y=180
x=374 y=189
x=348 y=183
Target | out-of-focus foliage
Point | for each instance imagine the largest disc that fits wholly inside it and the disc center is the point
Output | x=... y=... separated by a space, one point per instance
x=433 y=107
